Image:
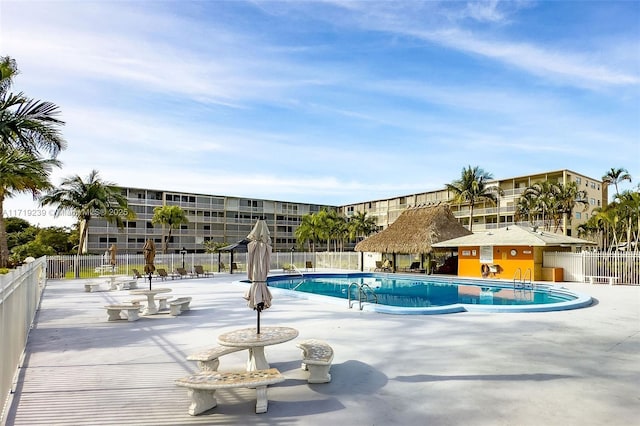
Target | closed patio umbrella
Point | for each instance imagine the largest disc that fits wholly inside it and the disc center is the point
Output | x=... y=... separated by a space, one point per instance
x=113 y=250
x=149 y=251
x=258 y=259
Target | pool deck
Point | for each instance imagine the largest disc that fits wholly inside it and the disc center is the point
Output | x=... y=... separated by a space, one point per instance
x=575 y=367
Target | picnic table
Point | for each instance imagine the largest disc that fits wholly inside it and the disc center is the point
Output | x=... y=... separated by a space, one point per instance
x=255 y=343
x=151 y=307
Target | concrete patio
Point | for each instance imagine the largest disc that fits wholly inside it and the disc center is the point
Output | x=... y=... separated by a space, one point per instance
x=579 y=367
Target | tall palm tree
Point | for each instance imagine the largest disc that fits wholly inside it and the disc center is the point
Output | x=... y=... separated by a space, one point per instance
x=308 y=231
x=526 y=208
x=615 y=176
x=629 y=208
x=337 y=229
x=566 y=198
x=20 y=172
x=472 y=189
x=170 y=216
x=27 y=124
x=361 y=225
x=541 y=196
x=88 y=199
x=8 y=70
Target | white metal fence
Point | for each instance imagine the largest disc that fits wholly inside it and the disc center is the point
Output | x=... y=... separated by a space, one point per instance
x=20 y=295
x=92 y=266
x=623 y=265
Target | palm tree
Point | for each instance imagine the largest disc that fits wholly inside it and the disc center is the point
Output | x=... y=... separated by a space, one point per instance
x=27 y=124
x=172 y=217
x=8 y=70
x=629 y=208
x=566 y=198
x=308 y=231
x=615 y=176
x=20 y=172
x=337 y=229
x=472 y=188
x=541 y=197
x=88 y=199
x=361 y=225
x=526 y=208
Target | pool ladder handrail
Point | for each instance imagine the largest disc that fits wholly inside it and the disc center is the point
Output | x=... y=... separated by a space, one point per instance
x=362 y=293
x=298 y=285
x=522 y=284
x=297 y=270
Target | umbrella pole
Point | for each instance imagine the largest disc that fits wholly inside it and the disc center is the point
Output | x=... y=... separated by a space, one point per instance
x=149 y=280
x=258 y=328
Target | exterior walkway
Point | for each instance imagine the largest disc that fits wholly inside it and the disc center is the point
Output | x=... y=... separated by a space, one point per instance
x=577 y=367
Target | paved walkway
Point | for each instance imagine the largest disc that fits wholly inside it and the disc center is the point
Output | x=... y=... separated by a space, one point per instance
x=577 y=367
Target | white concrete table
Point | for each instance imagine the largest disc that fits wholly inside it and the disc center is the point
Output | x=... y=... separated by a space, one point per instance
x=255 y=343
x=112 y=280
x=151 y=307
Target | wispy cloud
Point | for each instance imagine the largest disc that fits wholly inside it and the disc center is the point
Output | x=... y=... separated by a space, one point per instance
x=328 y=102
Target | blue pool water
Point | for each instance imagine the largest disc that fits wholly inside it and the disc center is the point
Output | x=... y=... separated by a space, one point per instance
x=407 y=294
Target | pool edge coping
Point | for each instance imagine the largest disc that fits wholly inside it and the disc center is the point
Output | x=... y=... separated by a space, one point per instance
x=581 y=300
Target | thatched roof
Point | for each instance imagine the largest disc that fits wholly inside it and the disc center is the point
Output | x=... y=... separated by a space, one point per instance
x=415 y=230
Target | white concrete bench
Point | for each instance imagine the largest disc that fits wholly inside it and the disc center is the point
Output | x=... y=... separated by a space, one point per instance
x=208 y=359
x=90 y=287
x=162 y=302
x=202 y=387
x=179 y=305
x=594 y=278
x=316 y=358
x=114 y=312
x=127 y=284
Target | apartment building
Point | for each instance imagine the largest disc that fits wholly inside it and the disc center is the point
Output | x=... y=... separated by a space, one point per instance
x=220 y=218
x=487 y=216
x=230 y=219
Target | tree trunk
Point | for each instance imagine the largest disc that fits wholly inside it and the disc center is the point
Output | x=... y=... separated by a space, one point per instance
x=84 y=226
x=165 y=245
x=4 y=247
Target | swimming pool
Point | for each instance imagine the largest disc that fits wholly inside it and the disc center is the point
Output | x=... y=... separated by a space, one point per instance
x=410 y=294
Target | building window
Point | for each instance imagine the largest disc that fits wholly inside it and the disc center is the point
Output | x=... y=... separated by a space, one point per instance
x=578 y=215
x=578 y=180
x=592 y=201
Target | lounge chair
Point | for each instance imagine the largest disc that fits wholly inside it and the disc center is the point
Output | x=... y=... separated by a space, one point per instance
x=162 y=273
x=415 y=267
x=308 y=265
x=199 y=271
x=234 y=267
x=223 y=267
x=183 y=273
x=136 y=273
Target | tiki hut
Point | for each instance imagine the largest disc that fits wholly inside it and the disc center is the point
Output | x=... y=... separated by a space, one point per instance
x=414 y=232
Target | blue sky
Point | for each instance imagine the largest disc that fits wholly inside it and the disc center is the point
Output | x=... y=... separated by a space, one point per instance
x=330 y=102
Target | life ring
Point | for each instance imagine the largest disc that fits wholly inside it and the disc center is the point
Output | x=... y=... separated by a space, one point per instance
x=484 y=270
